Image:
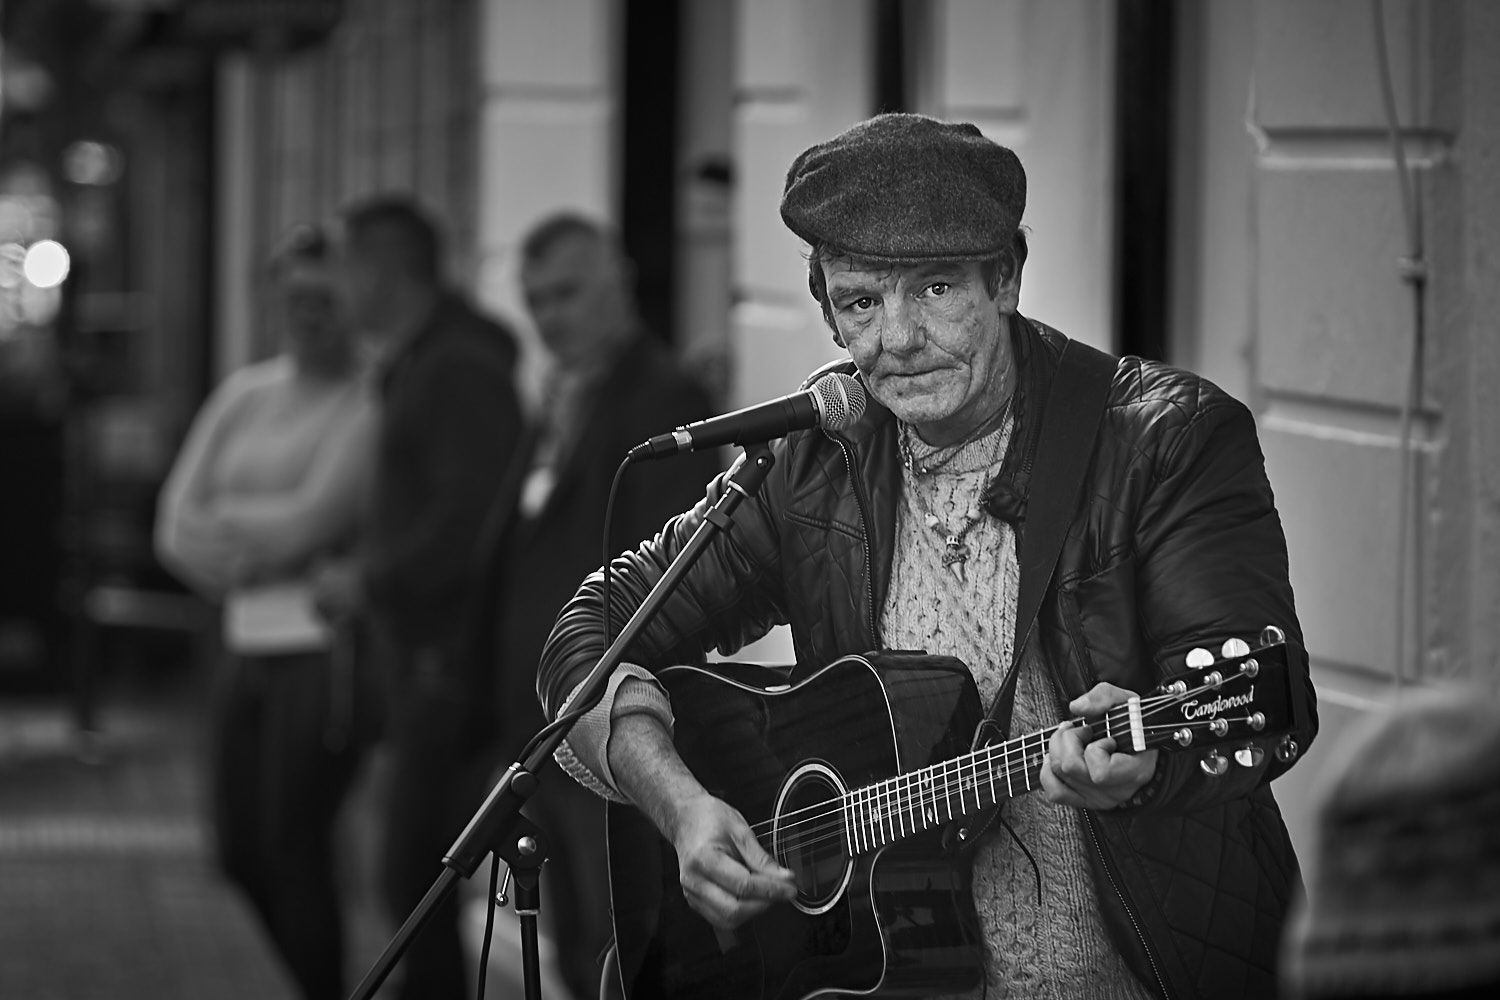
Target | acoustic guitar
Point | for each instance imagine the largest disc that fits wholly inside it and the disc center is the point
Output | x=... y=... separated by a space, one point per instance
x=861 y=779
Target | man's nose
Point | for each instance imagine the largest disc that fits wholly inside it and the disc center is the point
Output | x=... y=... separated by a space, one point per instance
x=902 y=331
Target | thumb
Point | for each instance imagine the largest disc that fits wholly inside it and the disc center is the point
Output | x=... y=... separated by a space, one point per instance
x=1099 y=699
x=754 y=855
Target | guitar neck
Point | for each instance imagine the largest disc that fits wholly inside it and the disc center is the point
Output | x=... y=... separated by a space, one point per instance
x=911 y=803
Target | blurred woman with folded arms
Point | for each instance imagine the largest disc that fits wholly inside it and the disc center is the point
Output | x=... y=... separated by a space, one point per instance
x=268 y=487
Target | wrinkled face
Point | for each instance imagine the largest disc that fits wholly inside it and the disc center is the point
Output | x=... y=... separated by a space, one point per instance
x=576 y=292
x=316 y=334
x=930 y=340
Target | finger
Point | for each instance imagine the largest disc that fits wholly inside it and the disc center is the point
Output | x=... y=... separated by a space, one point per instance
x=730 y=874
x=1066 y=752
x=1099 y=699
x=1055 y=790
x=1099 y=762
x=756 y=857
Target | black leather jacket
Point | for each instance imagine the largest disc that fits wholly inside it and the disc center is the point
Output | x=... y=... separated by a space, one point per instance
x=1176 y=544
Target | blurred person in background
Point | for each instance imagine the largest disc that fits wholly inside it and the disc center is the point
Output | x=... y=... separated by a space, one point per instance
x=1404 y=900
x=612 y=385
x=270 y=481
x=450 y=424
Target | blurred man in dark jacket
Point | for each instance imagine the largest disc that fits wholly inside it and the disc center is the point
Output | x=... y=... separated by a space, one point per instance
x=612 y=386
x=449 y=432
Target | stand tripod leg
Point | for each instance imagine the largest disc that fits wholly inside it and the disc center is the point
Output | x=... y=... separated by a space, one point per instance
x=528 y=908
x=525 y=856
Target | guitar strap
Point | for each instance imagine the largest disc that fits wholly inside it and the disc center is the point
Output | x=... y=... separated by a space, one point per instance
x=1075 y=405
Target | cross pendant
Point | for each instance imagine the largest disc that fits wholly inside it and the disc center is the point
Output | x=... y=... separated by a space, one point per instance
x=956 y=555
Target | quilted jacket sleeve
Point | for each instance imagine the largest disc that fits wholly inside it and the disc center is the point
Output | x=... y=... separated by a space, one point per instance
x=1212 y=563
x=730 y=597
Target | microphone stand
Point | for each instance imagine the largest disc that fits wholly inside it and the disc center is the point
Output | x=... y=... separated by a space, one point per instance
x=498 y=826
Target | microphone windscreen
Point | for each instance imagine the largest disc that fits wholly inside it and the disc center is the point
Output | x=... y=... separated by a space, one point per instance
x=841 y=400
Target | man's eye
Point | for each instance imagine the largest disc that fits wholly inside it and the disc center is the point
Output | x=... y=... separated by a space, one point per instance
x=939 y=288
x=861 y=304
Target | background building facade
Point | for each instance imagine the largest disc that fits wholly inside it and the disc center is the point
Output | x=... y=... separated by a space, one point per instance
x=1212 y=182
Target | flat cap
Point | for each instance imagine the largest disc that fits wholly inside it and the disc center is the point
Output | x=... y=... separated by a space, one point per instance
x=907 y=187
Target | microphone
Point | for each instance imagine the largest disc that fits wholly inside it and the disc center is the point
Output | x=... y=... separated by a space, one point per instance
x=833 y=402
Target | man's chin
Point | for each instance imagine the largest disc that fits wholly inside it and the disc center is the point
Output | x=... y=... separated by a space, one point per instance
x=916 y=407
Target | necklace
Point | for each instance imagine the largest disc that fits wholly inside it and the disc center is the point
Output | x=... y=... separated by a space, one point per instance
x=956 y=550
x=934 y=459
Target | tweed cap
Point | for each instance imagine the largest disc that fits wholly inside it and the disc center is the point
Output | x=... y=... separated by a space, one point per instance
x=1405 y=897
x=907 y=187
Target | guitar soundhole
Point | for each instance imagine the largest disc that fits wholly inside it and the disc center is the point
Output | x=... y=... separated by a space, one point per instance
x=809 y=836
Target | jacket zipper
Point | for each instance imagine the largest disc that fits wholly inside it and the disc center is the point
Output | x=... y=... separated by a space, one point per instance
x=864 y=523
x=1129 y=912
x=1109 y=873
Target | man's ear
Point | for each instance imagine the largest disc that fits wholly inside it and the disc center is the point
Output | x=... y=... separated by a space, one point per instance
x=1008 y=295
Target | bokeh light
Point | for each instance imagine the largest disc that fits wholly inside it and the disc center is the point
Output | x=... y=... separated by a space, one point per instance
x=46 y=264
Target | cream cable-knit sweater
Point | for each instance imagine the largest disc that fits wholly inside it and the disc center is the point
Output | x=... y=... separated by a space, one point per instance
x=1055 y=947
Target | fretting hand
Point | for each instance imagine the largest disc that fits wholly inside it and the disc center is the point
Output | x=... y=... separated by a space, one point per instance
x=1091 y=775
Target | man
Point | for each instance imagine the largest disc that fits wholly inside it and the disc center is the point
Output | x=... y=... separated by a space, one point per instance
x=1157 y=879
x=450 y=425
x=613 y=385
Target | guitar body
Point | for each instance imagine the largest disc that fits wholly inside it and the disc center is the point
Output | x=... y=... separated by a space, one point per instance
x=898 y=921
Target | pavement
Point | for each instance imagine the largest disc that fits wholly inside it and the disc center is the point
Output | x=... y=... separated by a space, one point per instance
x=107 y=883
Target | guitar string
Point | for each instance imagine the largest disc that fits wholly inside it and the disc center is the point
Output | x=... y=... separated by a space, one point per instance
x=1120 y=716
x=883 y=818
x=1152 y=704
x=930 y=795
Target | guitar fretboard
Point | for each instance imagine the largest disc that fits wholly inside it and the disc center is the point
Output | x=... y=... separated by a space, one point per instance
x=910 y=803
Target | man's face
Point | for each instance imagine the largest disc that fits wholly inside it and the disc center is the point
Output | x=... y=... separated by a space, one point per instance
x=929 y=339
x=576 y=294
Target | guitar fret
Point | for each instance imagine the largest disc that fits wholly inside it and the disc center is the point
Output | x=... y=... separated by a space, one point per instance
x=1010 y=786
x=989 y=766
x=901 y=807
x=889 y=832
x=1025 y=764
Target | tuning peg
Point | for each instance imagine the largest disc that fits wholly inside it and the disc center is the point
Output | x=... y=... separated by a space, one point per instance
x=1214 y=764
x=1249 y=755
x=1287 y=750
x=1183 y=736
x=1271 y=635
x=1234 y=647
x=1198 y=658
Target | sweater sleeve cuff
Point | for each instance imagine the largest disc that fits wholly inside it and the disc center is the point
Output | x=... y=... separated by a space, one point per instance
x=584 y=755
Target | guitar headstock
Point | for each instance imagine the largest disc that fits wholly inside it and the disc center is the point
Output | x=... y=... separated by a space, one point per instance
x=1231 y=697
